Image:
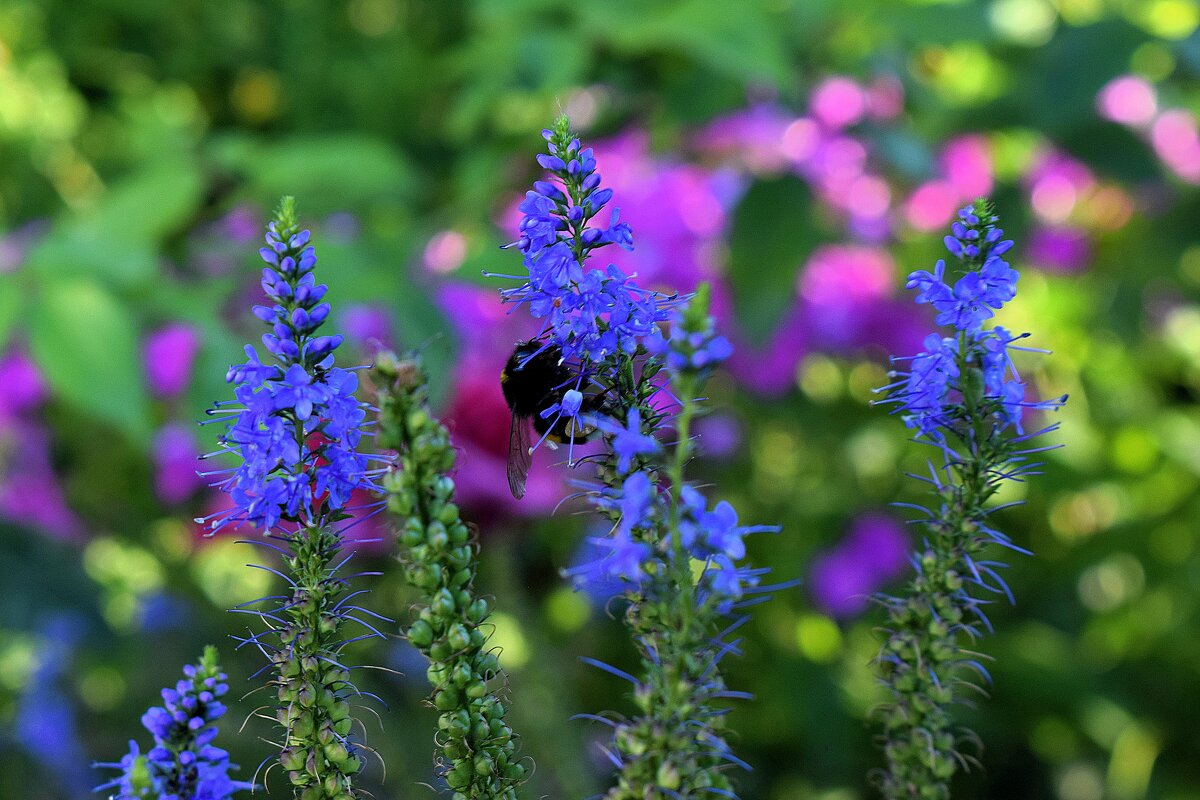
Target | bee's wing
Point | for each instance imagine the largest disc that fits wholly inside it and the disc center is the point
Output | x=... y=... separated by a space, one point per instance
x=519 y=457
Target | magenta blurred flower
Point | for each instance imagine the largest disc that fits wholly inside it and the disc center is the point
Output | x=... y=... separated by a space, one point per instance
x=838 y=102
x=176 y=454
x=873 y=553
x=1128 y=100
x=839 y=286
x=966 y=162
x=22 y=388
x=1057 y=183
x=29 y=490
x=241 y=224
x=753 y=138
x=1059 y=248
x=1177 y=143
x=15 y=245
x=368 y=326
x=719 y=435
x=931 y=205
x=167 y=355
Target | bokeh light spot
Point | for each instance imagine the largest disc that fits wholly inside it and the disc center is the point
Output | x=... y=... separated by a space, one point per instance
x=567 y=610
x=818 y=638
x=1027 y=22
x=510 y=639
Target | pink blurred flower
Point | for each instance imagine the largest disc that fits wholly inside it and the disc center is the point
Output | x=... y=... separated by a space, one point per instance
x=1057 y=183
x=1059 y=248
x=838 y=285
x=754 y=137
x=243 y=224
x=966 y=162
x=175 y=453
x=931 y=205
x=838 y=102
x=29 y=490
x=15 y=245
x=873 y=553
x=1128 y=100
x=1177 y=143
x=168 y=355
x=719 y=435
x=445 y=251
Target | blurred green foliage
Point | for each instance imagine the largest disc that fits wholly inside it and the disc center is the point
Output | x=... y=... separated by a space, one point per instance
x=127 y=129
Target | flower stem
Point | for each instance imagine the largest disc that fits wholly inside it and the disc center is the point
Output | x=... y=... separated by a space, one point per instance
x=312 y=684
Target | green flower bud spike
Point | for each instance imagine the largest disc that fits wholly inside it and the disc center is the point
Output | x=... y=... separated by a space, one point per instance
x=478 y=751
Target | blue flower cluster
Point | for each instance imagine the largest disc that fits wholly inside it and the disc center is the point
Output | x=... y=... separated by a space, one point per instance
x=688 y=346
x=714 y=537
x=183 y=764
x=589 y=313
x=931 y=393
x=296 y=424
x=709 y=536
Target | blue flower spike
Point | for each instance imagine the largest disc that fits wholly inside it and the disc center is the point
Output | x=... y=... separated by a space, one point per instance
x=962 y=396
x=294 y=431
x=183 y=764
x=639 y=388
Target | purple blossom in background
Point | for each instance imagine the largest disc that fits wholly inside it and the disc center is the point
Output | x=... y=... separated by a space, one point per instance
x=30 y=493
x=873 y=553
x=241 y=225
x=22 y=388
x=1060 y=249
x=176 y=453
x=168 y=356
x=719 y=435
x=369 y=327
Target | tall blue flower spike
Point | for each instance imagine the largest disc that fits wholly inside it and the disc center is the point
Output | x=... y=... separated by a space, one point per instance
x=183 y=764
x=295 y=429
x=962 y=396
x=609 y=332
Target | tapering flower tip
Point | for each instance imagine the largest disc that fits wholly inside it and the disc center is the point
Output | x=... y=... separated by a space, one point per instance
x=989 y=281
x=183 y=763
x=692 y=344
x=296 y=424
x=590 y=313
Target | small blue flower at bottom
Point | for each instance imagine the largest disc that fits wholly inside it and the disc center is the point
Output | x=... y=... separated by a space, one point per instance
x=183 y=764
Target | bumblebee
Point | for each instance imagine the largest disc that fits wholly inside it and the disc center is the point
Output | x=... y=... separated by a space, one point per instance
x=534 y=379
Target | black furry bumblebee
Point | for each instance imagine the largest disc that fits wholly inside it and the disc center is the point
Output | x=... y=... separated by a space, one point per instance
x=533 y=380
